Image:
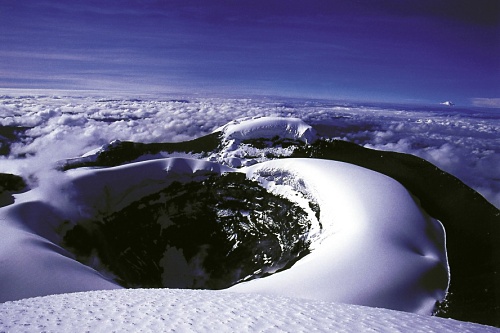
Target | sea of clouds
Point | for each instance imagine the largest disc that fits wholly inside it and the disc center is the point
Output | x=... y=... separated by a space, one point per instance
x=463 y=142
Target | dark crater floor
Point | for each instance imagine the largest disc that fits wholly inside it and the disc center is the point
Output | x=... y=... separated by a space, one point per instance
x=210 y=234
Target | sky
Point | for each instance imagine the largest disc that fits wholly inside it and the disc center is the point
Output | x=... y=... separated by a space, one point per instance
x=426 y=51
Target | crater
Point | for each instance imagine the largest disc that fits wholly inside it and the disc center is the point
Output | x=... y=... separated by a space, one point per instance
x=209 y=234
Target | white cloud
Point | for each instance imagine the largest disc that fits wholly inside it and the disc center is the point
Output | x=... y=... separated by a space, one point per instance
x=64 y=125
x=47 y=56
x=467 y=147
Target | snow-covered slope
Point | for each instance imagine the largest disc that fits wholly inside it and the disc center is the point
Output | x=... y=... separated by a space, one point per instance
x=268 y=128
x=31 y=262
x=377 y=248
x=168 y=310
x=110 y=189
x=34 y=264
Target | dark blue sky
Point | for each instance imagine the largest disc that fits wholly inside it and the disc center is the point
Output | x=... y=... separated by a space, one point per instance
x=389 y=50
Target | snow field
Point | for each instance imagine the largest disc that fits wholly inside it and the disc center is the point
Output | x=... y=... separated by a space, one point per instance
x=177 y=310
x=110 y=189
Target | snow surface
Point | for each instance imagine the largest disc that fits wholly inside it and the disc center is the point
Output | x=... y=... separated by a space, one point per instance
x=378 y=248
x=111 y=189
x=268 y=128
x=31 y=264
x=170 y=310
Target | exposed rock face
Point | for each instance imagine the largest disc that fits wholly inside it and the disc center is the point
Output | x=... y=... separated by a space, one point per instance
x=9 y=135
x=208 y=234
x=9 y=184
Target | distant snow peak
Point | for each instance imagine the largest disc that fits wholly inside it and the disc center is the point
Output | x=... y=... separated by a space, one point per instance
x=268 y=128
x=249 y=141
x=447 y=103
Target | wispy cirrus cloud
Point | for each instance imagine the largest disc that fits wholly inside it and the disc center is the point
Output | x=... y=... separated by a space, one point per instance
x=386 y=50
x=486 y=102
x=45 y=55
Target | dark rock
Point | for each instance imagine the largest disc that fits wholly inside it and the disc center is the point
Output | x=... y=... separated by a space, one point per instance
x=211 y=234
x=9 y=135
x=12 y=183
x=126 y=151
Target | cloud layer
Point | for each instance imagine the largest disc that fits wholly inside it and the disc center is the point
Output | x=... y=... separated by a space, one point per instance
x=463 y=142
